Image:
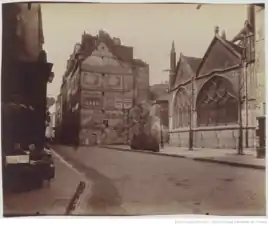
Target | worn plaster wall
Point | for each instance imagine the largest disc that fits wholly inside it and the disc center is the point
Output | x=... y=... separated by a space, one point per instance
x=29 y=29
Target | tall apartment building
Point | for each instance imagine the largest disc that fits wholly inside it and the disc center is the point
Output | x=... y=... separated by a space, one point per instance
x=101 y=83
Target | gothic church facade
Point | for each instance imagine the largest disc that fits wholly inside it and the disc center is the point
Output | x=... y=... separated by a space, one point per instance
x=206 y=94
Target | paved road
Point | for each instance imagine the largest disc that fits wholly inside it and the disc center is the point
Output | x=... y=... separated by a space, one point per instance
x=129 y=183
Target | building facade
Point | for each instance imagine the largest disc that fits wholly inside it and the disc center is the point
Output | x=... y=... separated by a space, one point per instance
x=260 y=59
x=207 y=94
x=25 y=73
x=101 y=83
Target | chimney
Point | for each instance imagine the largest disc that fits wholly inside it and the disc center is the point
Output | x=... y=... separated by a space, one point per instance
x=217 y=30
x=117 y=41
x=223 y=35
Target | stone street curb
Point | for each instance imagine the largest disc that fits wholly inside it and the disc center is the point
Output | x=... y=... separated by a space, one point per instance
x=236 y=164
x=211 y=160
x=80 y=204
x=143 y=152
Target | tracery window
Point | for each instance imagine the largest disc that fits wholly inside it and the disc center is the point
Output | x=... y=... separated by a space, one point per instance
x=216 y=103
x=181 y=110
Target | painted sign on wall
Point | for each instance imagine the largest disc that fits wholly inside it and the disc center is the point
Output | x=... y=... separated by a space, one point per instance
x=91 y=80
x=91 y=99
x=123 y=103
x=113 y=81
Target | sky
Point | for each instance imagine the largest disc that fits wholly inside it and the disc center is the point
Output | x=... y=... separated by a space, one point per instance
x=148 y=28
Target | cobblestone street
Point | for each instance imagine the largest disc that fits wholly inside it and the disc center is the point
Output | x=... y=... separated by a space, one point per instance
x=129 y=183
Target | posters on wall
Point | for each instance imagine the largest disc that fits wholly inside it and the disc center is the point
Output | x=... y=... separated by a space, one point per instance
x=91 y=79
x=92 y=99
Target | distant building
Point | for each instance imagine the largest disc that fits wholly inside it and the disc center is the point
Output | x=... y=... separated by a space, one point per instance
x=204 y=108
x=101 y=81
x=158 y=90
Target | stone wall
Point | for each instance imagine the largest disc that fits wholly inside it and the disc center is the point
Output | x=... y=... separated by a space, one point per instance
x=179 y=138
x=212 y=137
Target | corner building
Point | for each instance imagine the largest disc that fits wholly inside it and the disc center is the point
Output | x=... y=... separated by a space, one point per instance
x=101 y=82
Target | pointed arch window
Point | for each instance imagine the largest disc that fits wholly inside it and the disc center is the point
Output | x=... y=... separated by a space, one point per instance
x=181 y=112
x=217 y=103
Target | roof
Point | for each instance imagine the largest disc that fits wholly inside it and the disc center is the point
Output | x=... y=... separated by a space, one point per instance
x=235 y=49
x=139 y=62
x=159 y=87
x=163 y=97
x=193 y=62
x=89 y=44
x=229 y=45
x=158 y=90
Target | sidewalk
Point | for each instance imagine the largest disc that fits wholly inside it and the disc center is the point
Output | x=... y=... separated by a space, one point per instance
x=222 y=156
x=52 y=199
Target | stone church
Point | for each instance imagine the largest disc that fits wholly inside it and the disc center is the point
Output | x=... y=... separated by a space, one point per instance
x=206 y=93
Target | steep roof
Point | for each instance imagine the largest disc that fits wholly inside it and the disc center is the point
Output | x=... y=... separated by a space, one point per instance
x=158 y=90
x=89 y=44
x=194 y=62
x=236 y=47
x=139 y=62
x=233 y=48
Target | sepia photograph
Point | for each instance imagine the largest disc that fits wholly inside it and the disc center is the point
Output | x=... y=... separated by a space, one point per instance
x=123 y=109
